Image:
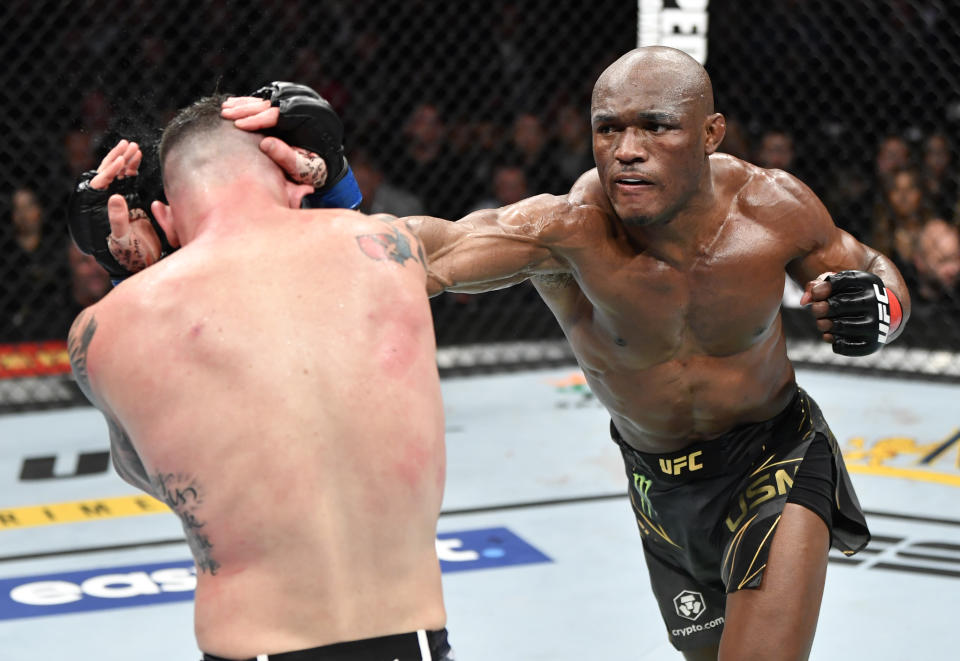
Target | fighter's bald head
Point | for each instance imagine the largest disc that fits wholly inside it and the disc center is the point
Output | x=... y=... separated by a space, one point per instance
x=672 y=70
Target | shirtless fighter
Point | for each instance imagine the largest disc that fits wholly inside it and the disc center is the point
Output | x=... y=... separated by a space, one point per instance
x=274 y=381
x=665 y=267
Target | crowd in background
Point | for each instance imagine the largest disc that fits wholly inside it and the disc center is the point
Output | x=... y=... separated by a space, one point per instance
x=908 y=209
x=451 y=107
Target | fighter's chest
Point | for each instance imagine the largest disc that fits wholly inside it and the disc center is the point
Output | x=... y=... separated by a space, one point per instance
x=718 y=302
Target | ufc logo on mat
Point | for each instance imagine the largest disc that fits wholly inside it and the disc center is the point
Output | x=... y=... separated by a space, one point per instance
x=674 y=466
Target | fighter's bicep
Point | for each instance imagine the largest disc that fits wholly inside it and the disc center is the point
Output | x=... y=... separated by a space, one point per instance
x=838 y=252
x=819 y=244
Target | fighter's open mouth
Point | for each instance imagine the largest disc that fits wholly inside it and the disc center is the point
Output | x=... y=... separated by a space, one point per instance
x=633 y=181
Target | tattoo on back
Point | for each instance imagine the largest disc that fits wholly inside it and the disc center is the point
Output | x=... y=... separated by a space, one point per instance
x=78 y=343
x=392 y=245
x=184 y=496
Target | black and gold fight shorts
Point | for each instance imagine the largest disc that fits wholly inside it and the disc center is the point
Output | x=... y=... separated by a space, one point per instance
x=707 y=513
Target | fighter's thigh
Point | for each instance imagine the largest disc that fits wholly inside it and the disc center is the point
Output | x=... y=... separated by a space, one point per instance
x=777 y=620
x=702 y=654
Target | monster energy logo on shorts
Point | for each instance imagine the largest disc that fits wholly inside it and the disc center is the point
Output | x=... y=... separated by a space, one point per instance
x=642 y=484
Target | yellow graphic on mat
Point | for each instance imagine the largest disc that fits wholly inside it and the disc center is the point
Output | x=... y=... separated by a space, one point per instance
x=82 y=510
x=902 y=456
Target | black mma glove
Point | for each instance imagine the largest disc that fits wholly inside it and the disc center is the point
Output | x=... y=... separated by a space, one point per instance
x=863 y=311
x=307 y=120
x=90 y=225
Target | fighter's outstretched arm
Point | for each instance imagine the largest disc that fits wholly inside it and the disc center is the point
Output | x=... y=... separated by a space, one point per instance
x=495 y=248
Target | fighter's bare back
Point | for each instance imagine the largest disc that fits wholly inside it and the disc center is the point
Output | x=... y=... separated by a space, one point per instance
x=260 y=380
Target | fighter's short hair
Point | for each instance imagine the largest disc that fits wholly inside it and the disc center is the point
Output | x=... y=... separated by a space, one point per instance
x=199 y=117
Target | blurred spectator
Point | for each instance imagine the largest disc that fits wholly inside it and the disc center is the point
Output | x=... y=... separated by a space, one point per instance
x=514 y=80
x=935 y=286
x=735 y=141
x=371 y=84
x=936 y=260
x=476 y=144
x=939 y=177
x=379 y=195
x=850 y=199
x=530 y=145
x=900 y=216
x=427 y=167
x=79 y=148
x=34 y=272
x=309 y=69
x=508 y=185
x=575 y=147
x=89 y=282
x=893 y=154
x=95 y=114
x=775 y=150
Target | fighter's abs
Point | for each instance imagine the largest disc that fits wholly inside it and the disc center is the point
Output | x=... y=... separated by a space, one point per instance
x=678 y=356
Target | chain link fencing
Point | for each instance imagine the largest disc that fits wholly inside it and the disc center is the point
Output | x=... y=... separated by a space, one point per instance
x=453 y=106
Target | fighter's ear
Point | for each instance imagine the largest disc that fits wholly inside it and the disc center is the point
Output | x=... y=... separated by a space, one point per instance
x=164 y=216
x=296 y=192
x=714 y=127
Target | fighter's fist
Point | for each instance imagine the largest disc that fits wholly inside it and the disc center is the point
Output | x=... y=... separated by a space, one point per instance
x=307 y=131
x=853 y=311
x=105 y=203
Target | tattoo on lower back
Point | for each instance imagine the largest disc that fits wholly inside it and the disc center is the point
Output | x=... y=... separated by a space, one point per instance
x=78 y=343
x=392 y=245
x=184 y=496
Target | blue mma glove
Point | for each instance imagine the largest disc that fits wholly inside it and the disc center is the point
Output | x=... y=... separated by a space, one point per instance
x=307 y=120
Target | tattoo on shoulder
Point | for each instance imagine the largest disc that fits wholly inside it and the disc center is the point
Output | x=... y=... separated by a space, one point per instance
x=392 y=245
x=78 y=344
x=184 y=496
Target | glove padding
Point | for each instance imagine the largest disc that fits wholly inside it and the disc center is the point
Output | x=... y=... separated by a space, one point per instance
x=89 y=221
x=863 y=312
x=308 y=120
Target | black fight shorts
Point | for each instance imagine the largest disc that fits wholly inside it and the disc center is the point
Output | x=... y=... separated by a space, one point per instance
x=414 y=646
x=707 y=514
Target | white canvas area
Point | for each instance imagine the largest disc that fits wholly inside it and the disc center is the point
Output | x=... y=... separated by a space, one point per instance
x=516 y=444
